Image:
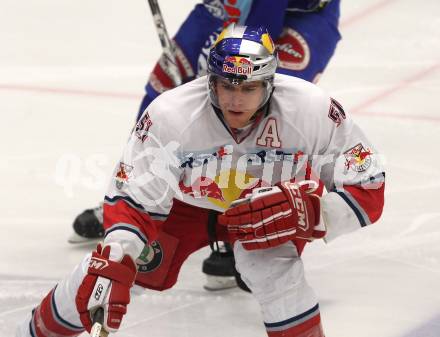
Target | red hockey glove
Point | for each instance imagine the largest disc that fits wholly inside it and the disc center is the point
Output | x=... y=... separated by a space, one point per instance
x=271 y=216
x=106 y=285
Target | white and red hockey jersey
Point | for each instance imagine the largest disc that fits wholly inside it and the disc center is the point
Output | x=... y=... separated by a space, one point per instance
x=181 y=148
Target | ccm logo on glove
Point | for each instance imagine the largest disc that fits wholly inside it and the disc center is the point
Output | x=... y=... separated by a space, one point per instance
x=298 y=204
x=98 y=292
x=97 y=263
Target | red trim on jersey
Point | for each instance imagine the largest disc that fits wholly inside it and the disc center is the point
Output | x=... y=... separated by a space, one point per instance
x=45 y=323
x=38 y=323
x=122 y=212
x=310 y=328
x=370 y=199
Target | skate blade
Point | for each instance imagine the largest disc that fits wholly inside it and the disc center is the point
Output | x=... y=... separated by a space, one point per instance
x=75 y=239
x=215 y=283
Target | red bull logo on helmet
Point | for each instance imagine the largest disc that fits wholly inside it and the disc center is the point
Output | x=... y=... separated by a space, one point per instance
x=237 y=65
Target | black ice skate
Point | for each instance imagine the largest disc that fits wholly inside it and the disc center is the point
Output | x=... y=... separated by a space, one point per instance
x=88 y=226
x=220 y=270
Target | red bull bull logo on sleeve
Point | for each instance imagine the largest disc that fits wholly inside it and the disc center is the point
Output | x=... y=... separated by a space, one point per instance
x=123 y=174
x=358 y=158
x=237 y=65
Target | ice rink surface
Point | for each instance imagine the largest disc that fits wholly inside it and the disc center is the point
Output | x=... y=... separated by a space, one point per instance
x=71 y=79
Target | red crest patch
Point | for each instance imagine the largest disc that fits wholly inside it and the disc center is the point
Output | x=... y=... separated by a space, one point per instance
x=293 y=50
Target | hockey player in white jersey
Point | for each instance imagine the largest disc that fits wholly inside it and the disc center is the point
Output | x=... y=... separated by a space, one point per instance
x=306 y=33
x=246 y=153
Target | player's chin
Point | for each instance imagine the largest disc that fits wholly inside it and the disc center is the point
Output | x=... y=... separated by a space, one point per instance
x=237 y=119
x=237 y=123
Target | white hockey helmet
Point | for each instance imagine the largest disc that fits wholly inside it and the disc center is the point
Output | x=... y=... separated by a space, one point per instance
x=242 y=53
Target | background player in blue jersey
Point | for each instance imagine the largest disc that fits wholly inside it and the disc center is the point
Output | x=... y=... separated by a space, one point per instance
x=305 y=33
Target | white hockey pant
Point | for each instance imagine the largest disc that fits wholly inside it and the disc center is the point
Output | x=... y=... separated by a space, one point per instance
x=276 y=278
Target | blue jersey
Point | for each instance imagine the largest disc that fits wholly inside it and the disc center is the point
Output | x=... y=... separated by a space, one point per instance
x=305 y=40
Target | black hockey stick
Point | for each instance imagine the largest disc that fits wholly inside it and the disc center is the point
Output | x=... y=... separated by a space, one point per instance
x=169 y=51
x=97 y=328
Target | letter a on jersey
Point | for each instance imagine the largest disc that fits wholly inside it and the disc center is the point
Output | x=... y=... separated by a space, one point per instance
x=269 y=137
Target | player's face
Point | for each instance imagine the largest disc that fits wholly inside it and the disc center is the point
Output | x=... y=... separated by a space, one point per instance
x=239 y=103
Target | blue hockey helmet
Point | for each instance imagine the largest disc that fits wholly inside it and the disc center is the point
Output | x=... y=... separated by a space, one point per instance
x=242 y=53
